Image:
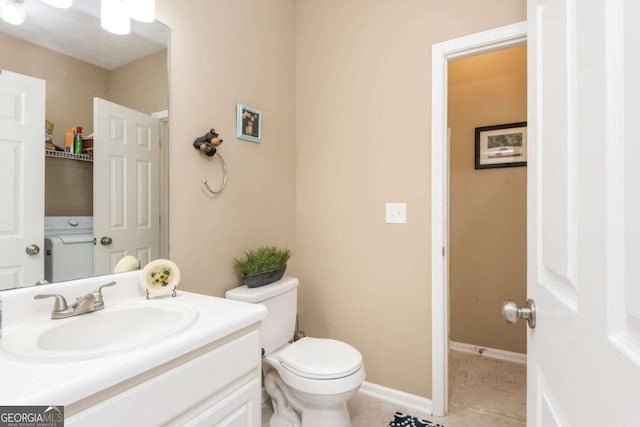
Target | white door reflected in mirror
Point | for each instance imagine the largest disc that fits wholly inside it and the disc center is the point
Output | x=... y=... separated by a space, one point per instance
x=126 y=185
x=22 y=102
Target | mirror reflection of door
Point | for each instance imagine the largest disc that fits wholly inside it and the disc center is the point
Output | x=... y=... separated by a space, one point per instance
x=126 y=185
x=22 y=112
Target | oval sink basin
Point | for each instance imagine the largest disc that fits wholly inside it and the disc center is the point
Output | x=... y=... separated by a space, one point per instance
x=120 y=327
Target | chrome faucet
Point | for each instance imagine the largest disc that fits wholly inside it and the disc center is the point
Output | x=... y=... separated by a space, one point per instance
x=85 y=304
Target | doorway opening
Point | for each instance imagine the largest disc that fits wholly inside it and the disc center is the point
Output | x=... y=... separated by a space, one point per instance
x=486 y=118
x=443 y=57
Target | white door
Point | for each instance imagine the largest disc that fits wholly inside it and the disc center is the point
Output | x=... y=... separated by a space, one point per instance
x=125 y=185
x=22 y=116
x=584 y=213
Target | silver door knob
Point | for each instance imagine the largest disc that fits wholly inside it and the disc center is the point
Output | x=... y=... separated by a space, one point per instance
x=511 y=312
x=32 y=250
x=106 y=241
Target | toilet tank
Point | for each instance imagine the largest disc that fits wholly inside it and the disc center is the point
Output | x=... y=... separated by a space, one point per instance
x=281 y=301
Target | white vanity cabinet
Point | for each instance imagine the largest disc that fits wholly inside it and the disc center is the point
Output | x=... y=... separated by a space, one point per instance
x=206 y=374
x=215 y=385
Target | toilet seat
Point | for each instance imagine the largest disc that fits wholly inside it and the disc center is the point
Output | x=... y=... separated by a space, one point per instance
x=320 y=359
x=294 y=374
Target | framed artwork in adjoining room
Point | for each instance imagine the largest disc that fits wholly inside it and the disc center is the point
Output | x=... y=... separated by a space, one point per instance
x=249 y=123
x=501 y=146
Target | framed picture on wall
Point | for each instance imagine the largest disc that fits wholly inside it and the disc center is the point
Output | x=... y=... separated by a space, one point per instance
x=501 y=146
x=249 y=124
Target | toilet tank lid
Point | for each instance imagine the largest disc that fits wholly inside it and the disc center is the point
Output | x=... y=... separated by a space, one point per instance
x=262 y=293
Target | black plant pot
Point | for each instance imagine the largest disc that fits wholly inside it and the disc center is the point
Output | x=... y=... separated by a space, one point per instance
x=264 y=277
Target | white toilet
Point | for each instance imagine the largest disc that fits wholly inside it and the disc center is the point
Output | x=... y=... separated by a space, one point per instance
x=311 y=380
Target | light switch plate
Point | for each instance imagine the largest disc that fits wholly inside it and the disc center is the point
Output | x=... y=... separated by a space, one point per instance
x=395 y=213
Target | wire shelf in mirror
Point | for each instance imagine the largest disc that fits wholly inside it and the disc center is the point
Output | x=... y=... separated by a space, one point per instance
x=67 y=155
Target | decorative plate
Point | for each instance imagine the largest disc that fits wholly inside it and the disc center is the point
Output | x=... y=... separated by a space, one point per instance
x=160 y=277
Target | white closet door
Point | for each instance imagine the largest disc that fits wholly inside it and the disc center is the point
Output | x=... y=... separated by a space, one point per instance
x=125 y=185
x=22 y=116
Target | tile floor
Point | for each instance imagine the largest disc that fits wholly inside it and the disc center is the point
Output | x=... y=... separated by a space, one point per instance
x=484 y=392
x=488 y=385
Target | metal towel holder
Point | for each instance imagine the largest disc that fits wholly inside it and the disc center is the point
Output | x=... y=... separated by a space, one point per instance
x=224 y=177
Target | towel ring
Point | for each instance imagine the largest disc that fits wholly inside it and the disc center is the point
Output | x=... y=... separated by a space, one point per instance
x=224 y=177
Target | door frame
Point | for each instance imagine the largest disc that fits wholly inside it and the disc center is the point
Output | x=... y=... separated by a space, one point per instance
x=163 y=116
x=441 y=53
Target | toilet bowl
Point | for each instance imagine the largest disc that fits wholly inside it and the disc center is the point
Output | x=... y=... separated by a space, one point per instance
x=311 y=380
x=317 y=377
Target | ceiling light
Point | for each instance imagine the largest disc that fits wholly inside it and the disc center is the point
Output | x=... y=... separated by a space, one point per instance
x=60 y=4
x=12 y=11
x=142 y=10
x=114 y=16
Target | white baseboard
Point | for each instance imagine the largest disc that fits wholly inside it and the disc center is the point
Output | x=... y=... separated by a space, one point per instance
x=421 y=405
x=493 y=353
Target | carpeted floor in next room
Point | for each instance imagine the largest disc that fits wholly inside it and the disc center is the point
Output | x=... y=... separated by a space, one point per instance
x=484 y=392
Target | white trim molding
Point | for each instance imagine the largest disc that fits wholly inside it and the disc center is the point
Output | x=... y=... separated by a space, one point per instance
x=421 y=406
x=441 y=53
x=164 y=114
x=493 y=353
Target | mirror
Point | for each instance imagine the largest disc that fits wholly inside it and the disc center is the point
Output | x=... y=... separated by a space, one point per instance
x=79 y=61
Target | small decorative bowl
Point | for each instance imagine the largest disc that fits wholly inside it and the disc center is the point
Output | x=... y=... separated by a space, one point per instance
x=160 y=277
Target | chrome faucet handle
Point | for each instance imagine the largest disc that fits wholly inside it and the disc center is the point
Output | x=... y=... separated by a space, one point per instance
x=59 y=305
x=97 y=294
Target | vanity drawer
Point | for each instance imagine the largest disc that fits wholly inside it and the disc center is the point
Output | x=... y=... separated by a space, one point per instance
x=180 y=390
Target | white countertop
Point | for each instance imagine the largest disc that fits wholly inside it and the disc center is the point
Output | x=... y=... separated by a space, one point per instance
x=29 y=383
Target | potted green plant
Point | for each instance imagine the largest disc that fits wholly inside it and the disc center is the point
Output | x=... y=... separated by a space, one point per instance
x=259 y=267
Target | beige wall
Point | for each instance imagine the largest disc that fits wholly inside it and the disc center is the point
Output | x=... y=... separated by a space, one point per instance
x=71 y=83
x=142 y=84
x=363 y=102
x=68 y=187
x=221 y=53
x=487 y=207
